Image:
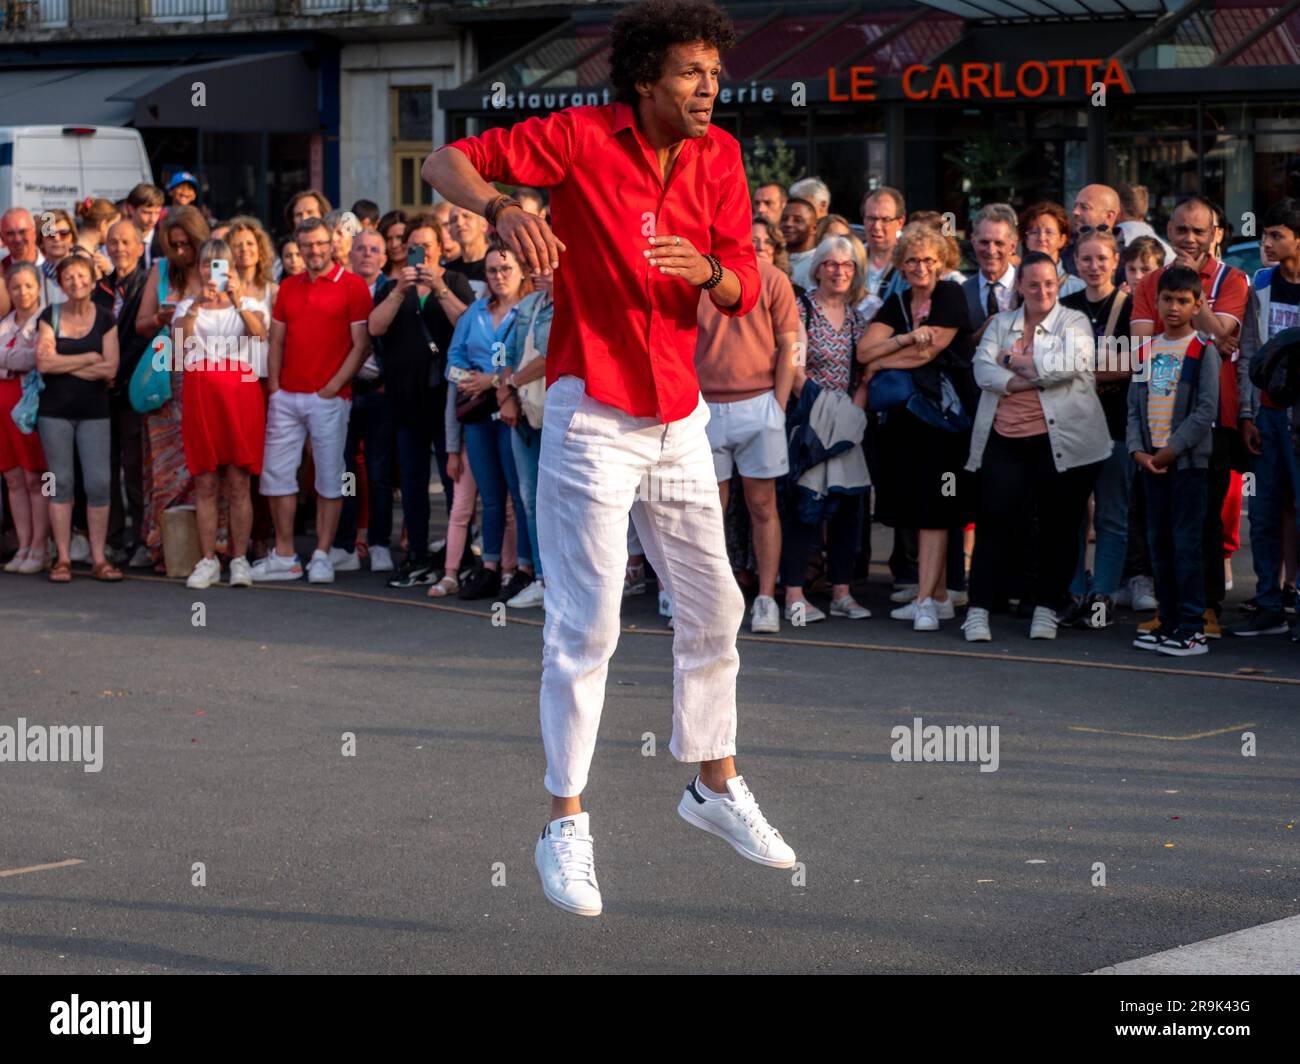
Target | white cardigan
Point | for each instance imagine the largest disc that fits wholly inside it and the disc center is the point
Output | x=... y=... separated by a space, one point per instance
x=1065 y=358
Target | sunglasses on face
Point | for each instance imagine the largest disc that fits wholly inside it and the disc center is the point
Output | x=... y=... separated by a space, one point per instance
x=1084 y=230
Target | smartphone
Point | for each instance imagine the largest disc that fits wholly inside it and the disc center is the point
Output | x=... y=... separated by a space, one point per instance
x=415 y=256
x=220 y=273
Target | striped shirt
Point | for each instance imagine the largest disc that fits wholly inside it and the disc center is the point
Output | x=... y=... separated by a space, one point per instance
x=1166 y=368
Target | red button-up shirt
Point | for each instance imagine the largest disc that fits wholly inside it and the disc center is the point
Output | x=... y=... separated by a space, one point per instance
x=621 y=325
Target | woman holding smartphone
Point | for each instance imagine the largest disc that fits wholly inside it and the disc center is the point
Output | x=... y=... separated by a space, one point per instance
x=173 y=278
x=224 y=421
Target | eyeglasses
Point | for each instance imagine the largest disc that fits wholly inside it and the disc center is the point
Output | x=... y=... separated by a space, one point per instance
x=499 y=271
x=303 y=244
x=878 y=219
x=62 y=234
x=913 y=264
x=1049 y=232
x=1085 y=229
x=838 y=267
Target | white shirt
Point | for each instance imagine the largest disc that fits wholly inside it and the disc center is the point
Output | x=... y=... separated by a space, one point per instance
x=800 y=268
x=1130 y=231
x=1005 y=292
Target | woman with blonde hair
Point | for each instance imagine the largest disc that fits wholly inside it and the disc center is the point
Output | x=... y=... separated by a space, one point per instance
x=175 y=276
x=925 y=331
x=952 y=250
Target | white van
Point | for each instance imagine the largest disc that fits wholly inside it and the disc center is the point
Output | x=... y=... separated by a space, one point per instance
x=49 y=167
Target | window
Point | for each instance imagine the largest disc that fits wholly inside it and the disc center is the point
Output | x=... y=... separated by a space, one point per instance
x=412 y=139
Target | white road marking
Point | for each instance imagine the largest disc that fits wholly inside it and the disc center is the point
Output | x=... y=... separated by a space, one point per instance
x=1269 y=949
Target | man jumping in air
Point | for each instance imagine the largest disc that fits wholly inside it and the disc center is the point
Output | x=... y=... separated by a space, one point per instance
x=650 y=206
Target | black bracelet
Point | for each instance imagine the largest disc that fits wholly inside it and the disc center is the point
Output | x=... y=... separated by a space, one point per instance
x=716 y=279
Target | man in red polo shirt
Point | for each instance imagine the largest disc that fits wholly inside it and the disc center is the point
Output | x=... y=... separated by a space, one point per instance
x=318 y=341
x=1191 y=232
x=651 y=207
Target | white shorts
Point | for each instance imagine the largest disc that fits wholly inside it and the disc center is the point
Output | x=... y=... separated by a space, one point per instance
x=749 y=434
x=290 y=418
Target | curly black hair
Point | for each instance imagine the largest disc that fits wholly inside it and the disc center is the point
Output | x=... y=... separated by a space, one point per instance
x=642 y=35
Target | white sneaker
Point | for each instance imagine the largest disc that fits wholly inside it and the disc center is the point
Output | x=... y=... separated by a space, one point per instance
x=206 y=573
x=16 y=562
x=241 y=573
x=1121 y=597
x=319 y=569
x=342 y=561
x=381 y=561
x=567 y=864
x=633 y=580
x=764 y=615
x=926 y=616
x=533 y=595
x=79 y=548
x=140 y=559
x=34 y=563
x=274 y=567
x=1043 y=625
x=904 y=593
x=976 y=625
x=944 y=610
x=737 y=820
x=958 y=598
x=1142 y=594
x=849 y=607
x=803 y=612
x=665 y=605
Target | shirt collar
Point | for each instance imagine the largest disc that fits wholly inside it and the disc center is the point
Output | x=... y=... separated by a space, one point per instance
x=624 y=117
x=332 y=275
x=1048 y=324
x=1007 y=280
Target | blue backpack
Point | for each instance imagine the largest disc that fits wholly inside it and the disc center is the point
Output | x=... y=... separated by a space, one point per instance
x=150 y=386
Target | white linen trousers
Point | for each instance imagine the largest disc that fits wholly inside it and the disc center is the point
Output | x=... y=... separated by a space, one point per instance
x=598 y=465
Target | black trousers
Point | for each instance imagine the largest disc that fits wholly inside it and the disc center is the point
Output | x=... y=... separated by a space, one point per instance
x=127 y=462
x=1019 y=484
x=798 y=540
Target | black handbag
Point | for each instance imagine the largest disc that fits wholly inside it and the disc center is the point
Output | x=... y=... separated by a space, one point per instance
x=475 y=409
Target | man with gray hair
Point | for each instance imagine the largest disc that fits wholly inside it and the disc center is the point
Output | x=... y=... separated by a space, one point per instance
x=814 y=190
x=994 y=235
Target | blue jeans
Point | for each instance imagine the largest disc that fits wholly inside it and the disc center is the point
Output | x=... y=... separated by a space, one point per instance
x=1175 y=533
x=493 y=463
x=370 y=420
x=526 y=443
x=1110 y=518
x=1276 y=469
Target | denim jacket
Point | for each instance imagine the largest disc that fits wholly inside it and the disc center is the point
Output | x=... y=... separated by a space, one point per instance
x=1065 y=357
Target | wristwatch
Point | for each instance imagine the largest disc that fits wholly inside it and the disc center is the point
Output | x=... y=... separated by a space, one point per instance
x=443 y=292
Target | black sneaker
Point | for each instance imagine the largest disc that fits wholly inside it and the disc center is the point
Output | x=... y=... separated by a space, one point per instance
x=482 y=583
x=1288 y=600
x=1185 y=643
x=1151 y=640
x=1262 y=622
x=414 y=572
x=1076 y=614
x=517 y=582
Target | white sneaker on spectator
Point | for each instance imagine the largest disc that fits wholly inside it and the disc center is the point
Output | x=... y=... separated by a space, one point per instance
x=241 y=573
x=381 y=561
x=944 y=610
x=205 y=574
x=566 y=861
x=344 y=561
x=764 y=615
x=633 y=580
x=1044 y=623
x=849 y=607
x=926 y=617
x=976 y=625
x=803 y=612
x=79 y=549
x=904 y=592
x=35 y=562
x=533 y=595
x=140 y=559
x=274 y=567
x=16 y=562
x=1142 y=594
x=1122 y=596
x=319 y=569
x=736 y=819
x=665 y=605
x=958 y=598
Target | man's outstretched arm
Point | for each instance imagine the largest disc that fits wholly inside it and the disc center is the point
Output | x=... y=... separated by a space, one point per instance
x=450 y=173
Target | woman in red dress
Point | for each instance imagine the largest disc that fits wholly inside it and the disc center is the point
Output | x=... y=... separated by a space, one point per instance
x=21 y=459
x=224 y=419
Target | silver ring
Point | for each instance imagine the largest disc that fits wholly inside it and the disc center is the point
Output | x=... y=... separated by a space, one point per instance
x=679 y=240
